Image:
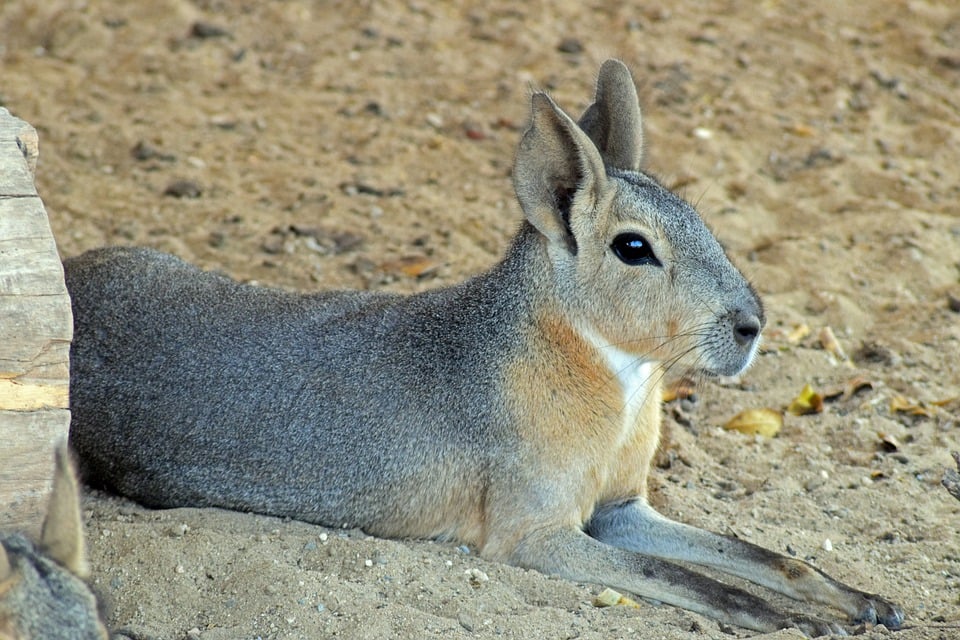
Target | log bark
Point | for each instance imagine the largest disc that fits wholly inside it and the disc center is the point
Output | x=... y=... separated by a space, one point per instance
x=36 y=326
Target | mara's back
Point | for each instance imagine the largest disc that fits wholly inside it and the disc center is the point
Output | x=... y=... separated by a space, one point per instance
x=218 y=393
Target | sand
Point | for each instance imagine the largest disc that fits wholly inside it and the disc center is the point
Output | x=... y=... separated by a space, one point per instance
x=314 y=145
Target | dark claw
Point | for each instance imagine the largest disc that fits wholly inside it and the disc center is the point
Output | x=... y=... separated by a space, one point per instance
x=876 y=610
x=889 y=615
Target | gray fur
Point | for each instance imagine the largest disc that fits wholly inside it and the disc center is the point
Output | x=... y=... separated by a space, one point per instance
x=275 y=402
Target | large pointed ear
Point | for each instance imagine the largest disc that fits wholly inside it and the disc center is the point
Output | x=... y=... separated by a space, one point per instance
x=62 y=535
x=613 y=121
x=557 y=166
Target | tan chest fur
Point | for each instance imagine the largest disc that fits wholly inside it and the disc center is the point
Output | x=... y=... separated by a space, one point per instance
x=589 y=439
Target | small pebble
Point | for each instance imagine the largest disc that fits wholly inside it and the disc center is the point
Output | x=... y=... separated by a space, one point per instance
x=570 y=45
x=203 y=30
x=476 y=577
x=827 y=545
x=953 y=303
x=183 y=189
x=702 y=133
x=467 y=621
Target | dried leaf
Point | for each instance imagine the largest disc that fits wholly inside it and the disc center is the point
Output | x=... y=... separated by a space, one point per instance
x=888 y=442
x=829 y=342
x=850 y=388
x=798 y=333
x=899 y=404
x=611 y=598
x=802 y=130
x=412 y=266
x=764 y=422
x=946 y=401
x=809 y=401
x=679 y=389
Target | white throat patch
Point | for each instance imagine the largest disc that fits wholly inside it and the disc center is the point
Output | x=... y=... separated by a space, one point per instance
x=635 y=375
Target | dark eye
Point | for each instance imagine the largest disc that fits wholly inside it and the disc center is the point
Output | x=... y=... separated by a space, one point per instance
x=633 y=249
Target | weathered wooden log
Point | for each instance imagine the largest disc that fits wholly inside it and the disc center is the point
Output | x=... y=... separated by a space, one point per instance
x=35 y=330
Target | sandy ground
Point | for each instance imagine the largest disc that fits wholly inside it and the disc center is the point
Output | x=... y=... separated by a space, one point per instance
x=321 y=145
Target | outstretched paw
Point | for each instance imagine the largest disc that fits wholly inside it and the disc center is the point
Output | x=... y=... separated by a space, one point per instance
x=876 y=610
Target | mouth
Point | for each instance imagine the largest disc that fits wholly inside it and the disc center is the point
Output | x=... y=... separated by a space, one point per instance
x=730 y=364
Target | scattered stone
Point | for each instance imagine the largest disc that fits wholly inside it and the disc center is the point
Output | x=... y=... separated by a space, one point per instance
x=467 y=621
x=374 y=108
x=358 y=188
x=217 y=239
x=335 y=242
x=570 y=45
x=473 y=130
x=953 y=303
x=872 y=352
x=476 y=577
x=143 y=151
x=183 y=189
x=204 y=30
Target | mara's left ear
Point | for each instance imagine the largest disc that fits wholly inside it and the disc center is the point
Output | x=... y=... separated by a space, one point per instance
x=558 y=172
x=62 y=535
x=613 y=121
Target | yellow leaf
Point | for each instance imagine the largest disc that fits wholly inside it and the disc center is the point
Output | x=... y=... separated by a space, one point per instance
x=802 y=130
x=764 y=422
x=678 y=389
x=809 y=401
x=610 y=598
x=798 y=333
x=413 y=266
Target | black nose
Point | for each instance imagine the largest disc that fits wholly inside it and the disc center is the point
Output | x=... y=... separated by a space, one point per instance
x=746 y=328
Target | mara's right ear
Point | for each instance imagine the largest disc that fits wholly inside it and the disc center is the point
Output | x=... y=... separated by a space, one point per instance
x=613 y=121
x=557 y=169
x=62 y=534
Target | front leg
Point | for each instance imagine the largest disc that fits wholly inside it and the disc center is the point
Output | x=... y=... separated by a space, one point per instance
x=571 y=554
x=636 y=526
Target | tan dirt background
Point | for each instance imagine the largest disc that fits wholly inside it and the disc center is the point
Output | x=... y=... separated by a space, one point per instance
x=369 y=144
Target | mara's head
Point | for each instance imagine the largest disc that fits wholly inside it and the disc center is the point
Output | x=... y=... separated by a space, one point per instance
x=632 y=263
